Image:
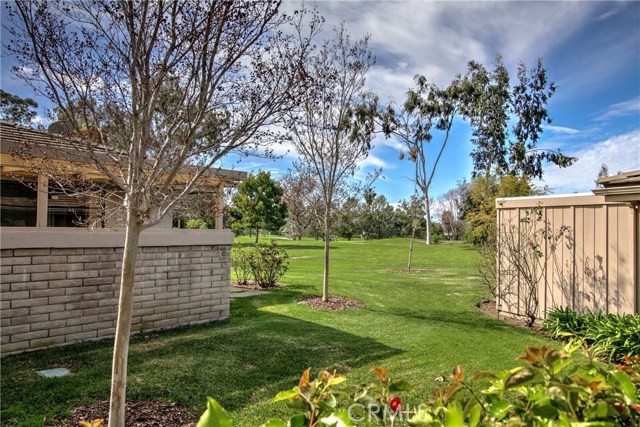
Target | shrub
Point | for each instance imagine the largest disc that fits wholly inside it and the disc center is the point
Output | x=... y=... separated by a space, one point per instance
x=268 y=263
x=265 y=264
x=549 y=391
x=240 y=264
x=608 y=335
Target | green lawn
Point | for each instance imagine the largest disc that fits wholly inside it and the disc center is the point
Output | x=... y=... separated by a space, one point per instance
x=419 y=325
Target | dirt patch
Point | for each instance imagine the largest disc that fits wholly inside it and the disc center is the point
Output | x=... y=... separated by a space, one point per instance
x=489 y=307
x=255 y=287
x=138 y=414
x=334 y=302
x=413 y=270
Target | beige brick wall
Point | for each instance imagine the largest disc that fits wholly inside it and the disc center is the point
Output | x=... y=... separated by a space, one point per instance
x=57 y=296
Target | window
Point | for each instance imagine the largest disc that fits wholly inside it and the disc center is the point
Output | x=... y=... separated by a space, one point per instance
x=18 y=204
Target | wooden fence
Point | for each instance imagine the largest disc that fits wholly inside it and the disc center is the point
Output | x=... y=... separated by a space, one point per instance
x=590 y=267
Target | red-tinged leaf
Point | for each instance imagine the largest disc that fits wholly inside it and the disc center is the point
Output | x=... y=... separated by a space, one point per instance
x=635 y=406
x=519 y=378
x=451 y=389
x=304 y=380
x=458 y=373
x=381 y=373
x=593 y=385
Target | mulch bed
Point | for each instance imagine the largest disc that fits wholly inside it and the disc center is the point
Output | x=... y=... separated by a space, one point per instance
x=413 y=270
x=138 y=414
x=489 y=307
x=333 y=302
x=255 y=287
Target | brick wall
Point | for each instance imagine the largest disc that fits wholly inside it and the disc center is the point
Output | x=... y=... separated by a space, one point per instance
x=58 y=296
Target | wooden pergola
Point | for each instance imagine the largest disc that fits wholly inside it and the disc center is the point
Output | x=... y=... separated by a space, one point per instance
x=25 y=154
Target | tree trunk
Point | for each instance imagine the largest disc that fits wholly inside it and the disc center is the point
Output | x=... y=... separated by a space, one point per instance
x=123 y=326
x=257 y=234
x=428 y=218
x=413 y=235
x=325 y=281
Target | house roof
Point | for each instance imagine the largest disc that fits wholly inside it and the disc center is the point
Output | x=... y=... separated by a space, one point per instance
x=18 y=142
x=624 y=187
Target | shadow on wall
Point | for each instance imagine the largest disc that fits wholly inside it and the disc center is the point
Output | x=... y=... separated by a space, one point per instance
x=584 y=283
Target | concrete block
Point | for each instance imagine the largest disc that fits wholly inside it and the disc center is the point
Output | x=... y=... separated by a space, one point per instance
x=46 y=342
x=31 y=252
x=27 y=336
x=99 y=265
x=10 y=296
x=64 y=299
x=32 y=302
x=82 y=320
x=99 y=281
x=109 y=332
x=80 y=336
x=14 y=312
x=16 y=329
x=67 y=251
x=59 y=275
x=67 y=267
x=36 y=293
x=13 y=278
x=111 y=272
x=189 y=306
x=65 y=314
x=82 y=274
x=15 y=260
x=15 y=347
x=83 y=258
x=34 y=320
x=81 y=305
x=48 y=324
x=49 y=259
x=56 y=332
x=98 y=251
x=82 y=290
x=49 y=308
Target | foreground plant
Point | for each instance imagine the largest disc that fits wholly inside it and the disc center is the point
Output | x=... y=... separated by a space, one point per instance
x=609 y=336
x=550 y=390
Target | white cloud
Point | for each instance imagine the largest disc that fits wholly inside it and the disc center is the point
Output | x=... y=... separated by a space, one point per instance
x=631 y=106
x=437 y=39
x=373 y=160
x=619 y=153
x=561 y=129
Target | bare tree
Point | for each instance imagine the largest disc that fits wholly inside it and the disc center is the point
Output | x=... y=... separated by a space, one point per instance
x=333 y=128
x=301 y=193
x=165 y=90
x=427 y=108
x=524 y=248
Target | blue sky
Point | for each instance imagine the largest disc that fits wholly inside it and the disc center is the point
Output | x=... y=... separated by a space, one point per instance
x=591 y=50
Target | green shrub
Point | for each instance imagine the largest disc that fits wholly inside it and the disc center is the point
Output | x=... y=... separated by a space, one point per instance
x=262 y=264
x=550 y=390
x=608 y=335
x=240 y=264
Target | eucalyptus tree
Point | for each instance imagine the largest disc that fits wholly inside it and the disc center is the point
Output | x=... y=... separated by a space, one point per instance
x=333 y=127
x=492 y=103
x=17 y=110
x=165 y=89
x=427 y=108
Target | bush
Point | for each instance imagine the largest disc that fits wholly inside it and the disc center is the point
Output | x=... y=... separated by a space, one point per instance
x=240 y=264
x=550 y=390
x=608 y=335
x=265 y=264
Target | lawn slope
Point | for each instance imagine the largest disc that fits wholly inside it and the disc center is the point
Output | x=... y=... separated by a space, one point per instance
x=418 y=324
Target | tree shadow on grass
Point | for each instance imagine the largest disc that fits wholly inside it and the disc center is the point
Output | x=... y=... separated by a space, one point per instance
x=470 y=320
x=240 y=362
